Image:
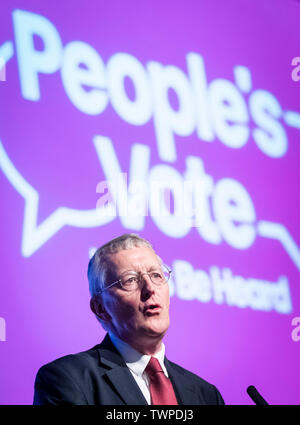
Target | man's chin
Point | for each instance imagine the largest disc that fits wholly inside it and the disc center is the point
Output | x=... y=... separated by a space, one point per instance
x=155 y=331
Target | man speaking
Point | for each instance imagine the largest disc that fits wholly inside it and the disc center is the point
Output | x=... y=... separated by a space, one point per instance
x=130 y=298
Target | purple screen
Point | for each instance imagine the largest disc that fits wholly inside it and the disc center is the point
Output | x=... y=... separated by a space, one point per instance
x=179 y=121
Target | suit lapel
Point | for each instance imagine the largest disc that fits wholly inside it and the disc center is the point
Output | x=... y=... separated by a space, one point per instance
x=184 y=389
x=126 y=386
x=119 y=375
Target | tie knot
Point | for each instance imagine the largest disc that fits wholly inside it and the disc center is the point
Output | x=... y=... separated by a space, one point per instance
x=153 y=367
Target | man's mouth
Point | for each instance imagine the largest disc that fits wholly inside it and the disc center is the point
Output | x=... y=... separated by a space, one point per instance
x=152 y=309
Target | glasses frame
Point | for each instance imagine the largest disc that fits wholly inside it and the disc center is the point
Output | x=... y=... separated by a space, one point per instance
x=140 y=276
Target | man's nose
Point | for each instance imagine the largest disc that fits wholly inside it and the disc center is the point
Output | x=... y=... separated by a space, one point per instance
x=147 y=286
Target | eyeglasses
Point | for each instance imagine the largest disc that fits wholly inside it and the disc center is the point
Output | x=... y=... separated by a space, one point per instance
x=131 y=281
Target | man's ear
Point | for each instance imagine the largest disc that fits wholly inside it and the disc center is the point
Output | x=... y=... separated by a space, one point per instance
x=97 y=308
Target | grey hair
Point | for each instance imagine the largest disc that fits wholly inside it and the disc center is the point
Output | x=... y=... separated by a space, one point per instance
x=99 y=264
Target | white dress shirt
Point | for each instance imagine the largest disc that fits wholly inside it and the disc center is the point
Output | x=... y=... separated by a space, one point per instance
x=137 y=363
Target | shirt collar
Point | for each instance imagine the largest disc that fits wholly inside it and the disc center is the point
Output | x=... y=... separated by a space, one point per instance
x=135 y=360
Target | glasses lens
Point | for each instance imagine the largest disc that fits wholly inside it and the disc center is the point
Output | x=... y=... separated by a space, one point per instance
x=161 y=276
x=130 y=281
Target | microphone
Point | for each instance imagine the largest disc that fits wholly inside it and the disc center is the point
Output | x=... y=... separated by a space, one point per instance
x=256 y=397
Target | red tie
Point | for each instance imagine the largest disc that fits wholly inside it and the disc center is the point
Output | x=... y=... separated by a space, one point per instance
x=161 y=388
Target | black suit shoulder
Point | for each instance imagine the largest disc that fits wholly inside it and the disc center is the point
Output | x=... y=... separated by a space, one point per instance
x=74 y=361
x=64 y=380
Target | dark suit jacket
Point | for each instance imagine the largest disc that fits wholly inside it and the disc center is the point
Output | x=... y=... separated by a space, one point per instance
x=100 y=376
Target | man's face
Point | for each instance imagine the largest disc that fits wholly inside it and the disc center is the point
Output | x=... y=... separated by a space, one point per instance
x=130 y=315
